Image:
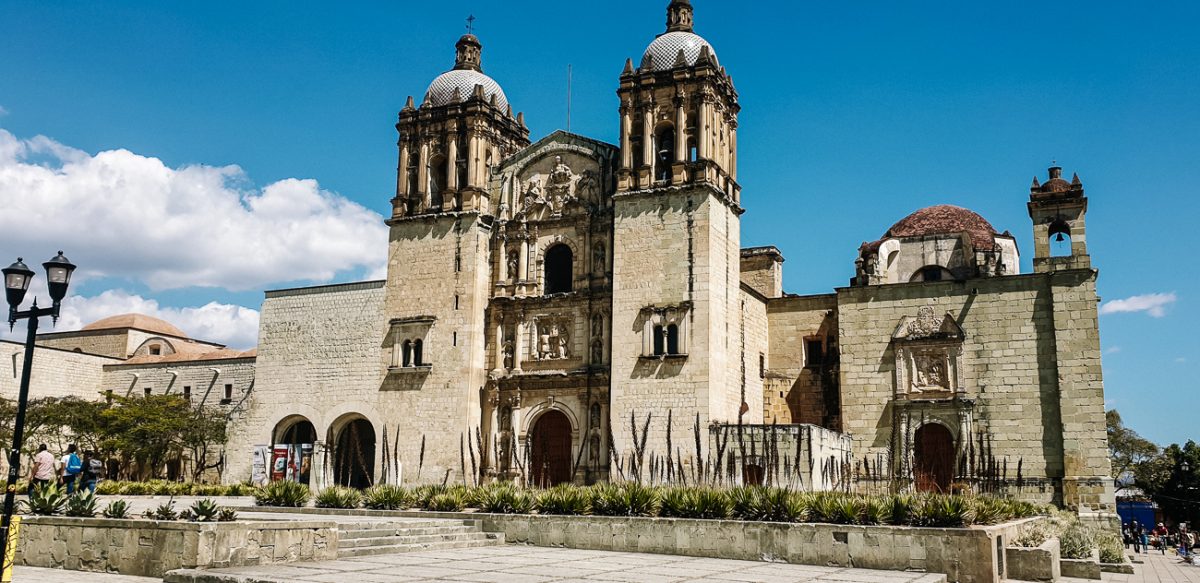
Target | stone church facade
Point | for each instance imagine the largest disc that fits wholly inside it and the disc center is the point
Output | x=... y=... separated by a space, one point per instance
x=572 y=310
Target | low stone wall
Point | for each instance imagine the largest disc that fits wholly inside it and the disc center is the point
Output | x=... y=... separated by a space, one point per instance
x=150 y=548
x=1081 y=568
x=1034 y=564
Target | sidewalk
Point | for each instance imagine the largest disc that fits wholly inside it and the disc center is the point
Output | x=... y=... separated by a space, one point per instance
x=1155 y=568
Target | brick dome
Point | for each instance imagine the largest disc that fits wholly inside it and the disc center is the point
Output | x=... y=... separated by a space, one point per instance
x=945 y=219
x=137 y=321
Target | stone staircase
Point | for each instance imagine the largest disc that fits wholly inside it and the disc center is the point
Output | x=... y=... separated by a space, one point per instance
x=360 y=539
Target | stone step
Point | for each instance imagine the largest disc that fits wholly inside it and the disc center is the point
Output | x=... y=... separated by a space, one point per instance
x=377 y=524
x=416 y=539
x=492 y=539
x=344 y=534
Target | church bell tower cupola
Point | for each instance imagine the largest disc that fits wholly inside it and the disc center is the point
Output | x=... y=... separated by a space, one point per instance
x=1058 y=208
x=678 y=113
x=463 y=127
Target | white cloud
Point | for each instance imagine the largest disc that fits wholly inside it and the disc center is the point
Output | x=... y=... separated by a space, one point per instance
x=3 y=112
x=1181 y=360
x=231 y=325
x=123 y=215
x=1113 y=350
x=1153 y=304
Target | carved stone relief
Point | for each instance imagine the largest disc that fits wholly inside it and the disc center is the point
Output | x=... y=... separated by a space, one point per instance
x=553 y=338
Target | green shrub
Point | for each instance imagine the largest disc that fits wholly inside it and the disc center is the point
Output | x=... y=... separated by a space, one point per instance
x=744 y=502
x=693 y=502
x=387 y=497
x=565 y=499
x=423 y=494
x=81 y=503
x=46 y=500
x=945 y=511
x=1112 y=550
x=1033 y=535
x=338 y=497
x=205 y=510
x=470 y=495
x=209 y=490
x=165 y=511
x=108 y=487
x=1077 y=541
x=825 y=507
x=626 y=499
x=116 y=509
x=448 y=501
x=507 y=499
x=900 y=509
x=282 y=493
x=133 y=488
x=240 y=489
x=876 y=510
x=226 y=515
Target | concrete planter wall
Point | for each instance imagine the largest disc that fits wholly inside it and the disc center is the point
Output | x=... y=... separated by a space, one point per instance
x=1082 y=568
x=1034 y=564
x=151 y=548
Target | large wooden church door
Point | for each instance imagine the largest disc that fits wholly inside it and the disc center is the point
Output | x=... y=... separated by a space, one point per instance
x=550 y=450
x=933 y=458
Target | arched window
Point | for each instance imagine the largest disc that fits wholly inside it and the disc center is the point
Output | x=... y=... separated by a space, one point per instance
x=932 y=273
x=672 y=339
x=1060 y=239
x=659 y=341
x=665 y=154
x=416 y=353
x=411 y=179
x=437 y=182
x=558 y=263
x=461 y=163
x=407 y=353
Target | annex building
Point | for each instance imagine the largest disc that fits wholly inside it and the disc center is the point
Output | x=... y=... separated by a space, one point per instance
x=572 y=310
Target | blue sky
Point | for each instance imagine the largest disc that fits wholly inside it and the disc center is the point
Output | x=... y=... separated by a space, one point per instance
x=854 y=115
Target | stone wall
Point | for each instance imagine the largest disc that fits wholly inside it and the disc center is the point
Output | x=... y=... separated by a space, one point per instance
x=803 y=457
x=111 y=343
x=796 y=393
x=318 y=359
x=150 y=548
x=204 y=380
x=56 y=373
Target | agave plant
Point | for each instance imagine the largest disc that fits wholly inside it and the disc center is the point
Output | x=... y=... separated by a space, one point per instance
x=564 y=499
x=81 y=503
x=282 y=493
x=205 y=510
x=449 y=501
x=507 y=499
x=116 y=509
x=226 y=515
x=387 y=497
x=338 y=497
x=46 y=500
x=164 y=511
x=423 y=494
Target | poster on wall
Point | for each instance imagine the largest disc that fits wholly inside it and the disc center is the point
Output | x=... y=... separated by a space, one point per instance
x=279 y=460
x=259 y=464
x=306 y=454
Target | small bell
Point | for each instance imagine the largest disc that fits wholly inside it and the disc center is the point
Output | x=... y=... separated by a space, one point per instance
x=1059 y=238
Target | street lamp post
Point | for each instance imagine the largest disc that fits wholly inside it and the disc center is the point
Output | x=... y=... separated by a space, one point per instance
x=16 y=282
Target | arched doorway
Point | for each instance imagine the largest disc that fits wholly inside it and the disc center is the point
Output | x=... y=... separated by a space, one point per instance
x=550 y=450
x=293 y=440
x=354 y=455
x=933 y=458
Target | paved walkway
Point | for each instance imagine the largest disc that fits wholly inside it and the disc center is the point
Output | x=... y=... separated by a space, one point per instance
x=1156 y=568
x=526 y=564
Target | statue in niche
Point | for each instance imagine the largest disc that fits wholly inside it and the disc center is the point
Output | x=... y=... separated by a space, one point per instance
x=558 y=186
x=533 y=195
x=597 y=351
x=553 y=340
x=595 y=450
x=543 y=343
x=513 y=262
x=563 y=342
x=926 y=323
x=597 y=325
x=508 y=354
x=598 y=257
x=594 y=416
x=588 y=186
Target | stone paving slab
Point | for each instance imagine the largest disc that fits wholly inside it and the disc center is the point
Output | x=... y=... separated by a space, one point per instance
x=527 y=564
x=39 y=575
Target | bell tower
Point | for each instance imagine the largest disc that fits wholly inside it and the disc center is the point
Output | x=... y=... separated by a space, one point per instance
x=676 y=245
x=678 y=113
x=1058 y=209
x=463 y=127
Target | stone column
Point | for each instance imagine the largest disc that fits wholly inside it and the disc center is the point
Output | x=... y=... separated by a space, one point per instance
x=733 y=151
x=472 y=160
x=503 y=257
x=519 y=345
x=648 y=136
x=423 y=176
x=703 y=130
x=402 y=172
x=681 y=148
x=316 y=480
x=452 y=161
x=626 y=127
x=523 y=261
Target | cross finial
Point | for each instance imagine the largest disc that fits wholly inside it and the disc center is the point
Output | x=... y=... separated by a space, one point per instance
x=471 y=24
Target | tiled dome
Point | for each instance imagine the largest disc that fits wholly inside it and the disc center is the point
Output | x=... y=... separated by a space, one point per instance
x=441 y=91
x=945 y=219
x=665 y=50
x=137 y=321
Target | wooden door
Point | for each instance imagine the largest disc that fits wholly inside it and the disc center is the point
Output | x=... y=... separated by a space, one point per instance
x=550 y=450
x=933 y=458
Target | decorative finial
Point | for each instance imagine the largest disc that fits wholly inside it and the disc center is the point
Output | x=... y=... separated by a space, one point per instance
x=679 y=16
x=470 y=24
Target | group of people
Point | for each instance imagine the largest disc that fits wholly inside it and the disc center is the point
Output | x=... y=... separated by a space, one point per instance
x=71 y=471
x=1141 y=537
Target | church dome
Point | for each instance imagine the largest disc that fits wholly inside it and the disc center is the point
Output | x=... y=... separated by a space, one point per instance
x=139 y=322
x=663 y=53
x=945 y=219
x=441 y=91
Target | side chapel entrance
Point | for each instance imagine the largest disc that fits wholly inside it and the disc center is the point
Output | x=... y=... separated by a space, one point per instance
x=550 y=450
x=933 y=458
x=354 y=456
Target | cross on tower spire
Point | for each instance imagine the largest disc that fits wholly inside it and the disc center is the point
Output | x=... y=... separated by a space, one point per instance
x=470 y=24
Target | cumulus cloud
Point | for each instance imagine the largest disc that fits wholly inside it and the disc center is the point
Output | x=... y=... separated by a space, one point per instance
x=120 y=214
x=1153 y=304
x=1113 y=350
x=231 y=325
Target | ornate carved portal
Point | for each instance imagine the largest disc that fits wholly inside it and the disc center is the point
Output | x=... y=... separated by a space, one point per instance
x=553 y=339
x=928 y=352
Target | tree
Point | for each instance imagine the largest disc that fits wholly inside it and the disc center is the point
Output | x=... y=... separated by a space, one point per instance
x=1175 y=482
x=1127 y=449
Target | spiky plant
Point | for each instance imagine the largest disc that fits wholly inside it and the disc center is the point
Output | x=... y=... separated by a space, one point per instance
x=205 y=510
x=449 y=501
x=387 y=497
x=81 y=503
x=282 y=493
x=116 y=509
x=338 y=497
x=565 y=499
x=227 y=515
x=46 y=500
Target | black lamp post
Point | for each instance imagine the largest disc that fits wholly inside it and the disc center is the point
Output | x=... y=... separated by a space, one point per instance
x=16 y=282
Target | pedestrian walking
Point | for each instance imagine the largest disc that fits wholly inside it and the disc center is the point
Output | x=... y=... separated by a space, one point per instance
x=41 y=471
x=72 y=466
x=93 y=471
x=1135 y=533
